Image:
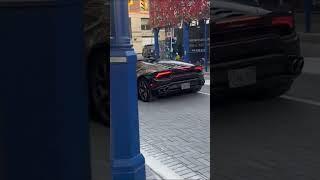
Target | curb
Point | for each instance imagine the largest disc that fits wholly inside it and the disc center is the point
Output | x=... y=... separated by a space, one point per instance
x=158 y=168
x=309 y=37
x=154 y=175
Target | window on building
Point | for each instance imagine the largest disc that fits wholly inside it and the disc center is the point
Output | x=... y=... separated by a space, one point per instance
x=145 y=24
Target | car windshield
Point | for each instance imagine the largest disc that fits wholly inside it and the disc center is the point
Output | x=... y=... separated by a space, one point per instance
x=247 y=2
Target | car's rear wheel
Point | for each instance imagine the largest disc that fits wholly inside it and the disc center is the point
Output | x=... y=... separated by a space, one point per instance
x=197 y=89
x=144 y=92
x=99 y=87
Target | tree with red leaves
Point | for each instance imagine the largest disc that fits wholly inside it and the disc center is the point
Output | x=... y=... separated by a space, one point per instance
x=164 y=13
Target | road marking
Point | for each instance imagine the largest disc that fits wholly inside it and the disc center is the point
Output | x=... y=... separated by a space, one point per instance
x=307 y=101
x=204 y=93
x=207 y=82
x=161 y=169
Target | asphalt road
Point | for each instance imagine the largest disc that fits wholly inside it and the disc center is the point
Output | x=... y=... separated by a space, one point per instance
x=175 y=132
x=300 y=22
x=275 y=139
x=310 y=49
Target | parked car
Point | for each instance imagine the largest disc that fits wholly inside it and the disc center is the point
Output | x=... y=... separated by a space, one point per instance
x=164 y=77
x=148 y=51
x=255 y=51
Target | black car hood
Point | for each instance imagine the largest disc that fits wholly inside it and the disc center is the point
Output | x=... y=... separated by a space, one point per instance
x=147 y=68
x=226 y=9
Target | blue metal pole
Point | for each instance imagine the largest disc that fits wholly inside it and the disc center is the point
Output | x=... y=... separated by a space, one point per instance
x=156 y=42
x=186 y=42
x=307 y=12
x=127 y=161
x=43 y=90
x=206 y=45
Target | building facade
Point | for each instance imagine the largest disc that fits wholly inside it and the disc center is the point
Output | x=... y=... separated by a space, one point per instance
x=141 y=33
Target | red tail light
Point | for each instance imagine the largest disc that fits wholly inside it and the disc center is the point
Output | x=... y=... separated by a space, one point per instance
x=199 y=68
x=283 y=21
x=163 y=74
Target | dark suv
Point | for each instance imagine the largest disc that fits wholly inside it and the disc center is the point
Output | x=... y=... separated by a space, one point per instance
x=255 y=51
x=148 y=51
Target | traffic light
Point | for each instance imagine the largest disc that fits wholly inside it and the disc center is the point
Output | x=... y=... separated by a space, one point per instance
x=143 y=5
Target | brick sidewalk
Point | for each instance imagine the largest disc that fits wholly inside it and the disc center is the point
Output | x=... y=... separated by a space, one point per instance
x=100 y=159
x=175 y=132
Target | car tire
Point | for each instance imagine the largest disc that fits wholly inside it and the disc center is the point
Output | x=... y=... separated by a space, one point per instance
x=195 y=90
x=98 y=82
x=144 y=93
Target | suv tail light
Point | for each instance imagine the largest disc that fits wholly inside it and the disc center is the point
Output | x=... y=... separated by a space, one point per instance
x=163 y=74
x=283 y=21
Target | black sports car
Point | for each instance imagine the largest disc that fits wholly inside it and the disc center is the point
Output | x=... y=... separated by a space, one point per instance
x=165 y=77
x=254 y=50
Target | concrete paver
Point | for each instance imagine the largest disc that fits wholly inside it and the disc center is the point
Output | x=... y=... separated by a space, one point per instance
x=100 y=154
x=177 y=129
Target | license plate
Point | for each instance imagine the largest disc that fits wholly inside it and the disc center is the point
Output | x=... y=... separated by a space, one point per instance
x=185 y=86
x=242 y=77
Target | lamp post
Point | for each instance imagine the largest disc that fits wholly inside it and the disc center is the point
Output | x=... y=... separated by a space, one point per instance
x=171 y=42
x=186 y=42
x=156 y=43
x=127 y=163
x=307 y=14
x=206 y=45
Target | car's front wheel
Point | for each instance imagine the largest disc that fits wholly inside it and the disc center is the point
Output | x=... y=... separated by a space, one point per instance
x=144 y=92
